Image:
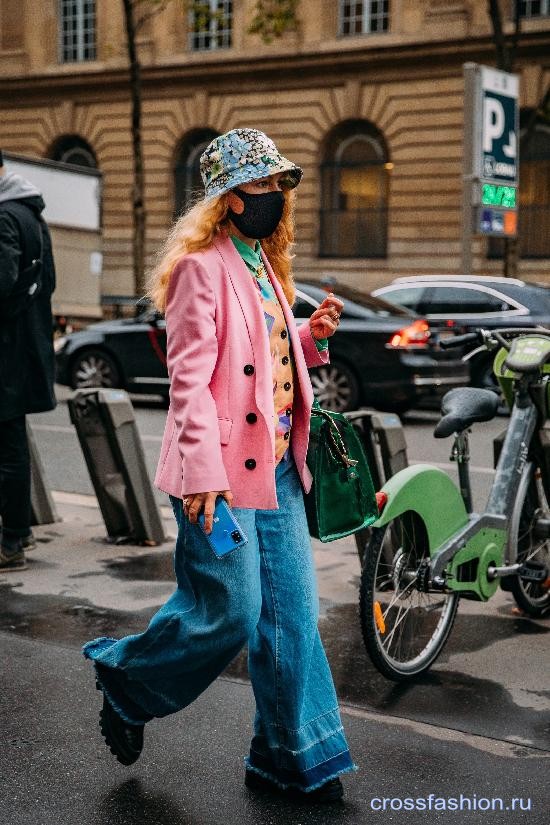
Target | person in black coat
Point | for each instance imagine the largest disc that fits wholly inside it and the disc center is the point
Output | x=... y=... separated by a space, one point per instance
x=27 y=368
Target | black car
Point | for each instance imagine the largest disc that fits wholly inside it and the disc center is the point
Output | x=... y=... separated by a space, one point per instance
x=382 y=355
x=461 y=304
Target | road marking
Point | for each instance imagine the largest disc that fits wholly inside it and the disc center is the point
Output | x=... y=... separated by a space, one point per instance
x=83 y=500
x=497 y=747
x=58 y=428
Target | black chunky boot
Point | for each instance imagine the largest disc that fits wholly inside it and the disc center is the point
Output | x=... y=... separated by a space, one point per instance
x=124 y=740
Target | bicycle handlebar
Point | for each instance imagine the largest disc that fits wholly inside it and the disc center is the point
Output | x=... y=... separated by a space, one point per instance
x=490 y=338
x=459 y=340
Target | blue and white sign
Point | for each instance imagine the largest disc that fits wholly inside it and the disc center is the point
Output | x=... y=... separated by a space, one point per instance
x=499 y=125
x=491 y=155
x=486 y=223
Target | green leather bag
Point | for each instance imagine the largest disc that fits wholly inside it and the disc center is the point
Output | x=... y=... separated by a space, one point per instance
x=341 y=500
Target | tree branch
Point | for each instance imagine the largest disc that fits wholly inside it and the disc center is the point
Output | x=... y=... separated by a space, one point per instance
x=158 y=8
x=513 y=47
x=273 y=18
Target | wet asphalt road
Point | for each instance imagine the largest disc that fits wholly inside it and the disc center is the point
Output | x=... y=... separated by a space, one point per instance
x=478 y=722
x=55 y=769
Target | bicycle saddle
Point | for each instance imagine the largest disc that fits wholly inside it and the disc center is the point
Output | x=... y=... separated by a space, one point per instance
x=464 y=406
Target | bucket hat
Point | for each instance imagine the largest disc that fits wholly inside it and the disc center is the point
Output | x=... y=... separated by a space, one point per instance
x=241 y=156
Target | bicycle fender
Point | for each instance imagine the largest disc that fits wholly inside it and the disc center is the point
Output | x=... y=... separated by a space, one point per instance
x=429 y=492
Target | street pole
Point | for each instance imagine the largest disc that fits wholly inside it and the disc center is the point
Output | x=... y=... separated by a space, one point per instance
x=467 y=167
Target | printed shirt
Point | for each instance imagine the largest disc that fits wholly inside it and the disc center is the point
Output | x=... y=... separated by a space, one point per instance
x=279 y=343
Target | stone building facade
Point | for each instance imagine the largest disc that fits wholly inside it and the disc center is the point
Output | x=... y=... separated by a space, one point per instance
x=366 y=96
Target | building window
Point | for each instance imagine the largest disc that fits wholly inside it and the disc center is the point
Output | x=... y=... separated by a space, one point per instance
x=534 y=199
x=210 y=24
x=355 y=186
x=534 y=8
x=74 y=150
x=534 y=195
x=188 y=185
x=77 y=30
x=364 y=16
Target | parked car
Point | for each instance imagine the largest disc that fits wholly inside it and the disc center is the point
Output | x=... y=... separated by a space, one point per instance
x=465 y=303
x=382 y=355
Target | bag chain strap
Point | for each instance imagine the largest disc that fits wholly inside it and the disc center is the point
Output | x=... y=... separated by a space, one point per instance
x=337 y=443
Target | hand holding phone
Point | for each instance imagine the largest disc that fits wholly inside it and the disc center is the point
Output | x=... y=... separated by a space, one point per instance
x=227 y=534
x=204 y=502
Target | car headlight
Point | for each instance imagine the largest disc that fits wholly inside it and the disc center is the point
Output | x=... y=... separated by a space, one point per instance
x=60 y=343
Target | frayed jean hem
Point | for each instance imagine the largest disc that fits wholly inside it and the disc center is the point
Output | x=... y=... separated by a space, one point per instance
x=307 y=780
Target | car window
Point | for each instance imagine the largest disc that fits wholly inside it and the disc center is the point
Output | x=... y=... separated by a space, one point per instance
x=302 y=309
x=536 y=298
x=455 y=300
x=358 y=304
x=409 y=297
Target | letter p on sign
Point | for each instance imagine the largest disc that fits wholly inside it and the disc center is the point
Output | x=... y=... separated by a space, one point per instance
x=493 y=122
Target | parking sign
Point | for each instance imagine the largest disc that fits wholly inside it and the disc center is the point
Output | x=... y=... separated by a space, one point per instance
x=491 y=157
x=499 y=127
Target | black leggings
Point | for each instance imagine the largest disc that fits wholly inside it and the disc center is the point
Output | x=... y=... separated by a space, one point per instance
x=15 y=478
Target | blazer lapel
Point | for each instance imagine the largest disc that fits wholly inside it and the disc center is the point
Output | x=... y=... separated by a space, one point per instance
x=246 y=293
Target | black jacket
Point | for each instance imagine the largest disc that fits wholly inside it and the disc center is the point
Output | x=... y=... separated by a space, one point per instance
x=27 y=367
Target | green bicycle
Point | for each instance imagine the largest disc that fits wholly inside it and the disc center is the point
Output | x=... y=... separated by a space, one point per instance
x=428 y=548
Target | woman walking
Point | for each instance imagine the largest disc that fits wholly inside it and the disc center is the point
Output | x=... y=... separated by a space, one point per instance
x=237 y=427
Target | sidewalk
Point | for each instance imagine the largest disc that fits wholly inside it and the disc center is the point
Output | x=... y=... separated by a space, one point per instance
x=56 y=769
x=74 y=560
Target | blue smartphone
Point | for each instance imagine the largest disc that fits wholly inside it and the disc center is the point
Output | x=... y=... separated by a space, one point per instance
x=227 y=534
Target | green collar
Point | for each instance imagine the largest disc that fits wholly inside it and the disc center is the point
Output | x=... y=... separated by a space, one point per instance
x=251 y=257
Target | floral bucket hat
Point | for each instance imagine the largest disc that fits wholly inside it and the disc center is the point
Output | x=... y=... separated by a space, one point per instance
x=241 y=156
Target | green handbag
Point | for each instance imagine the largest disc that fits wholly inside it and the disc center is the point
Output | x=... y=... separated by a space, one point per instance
x=341 y=500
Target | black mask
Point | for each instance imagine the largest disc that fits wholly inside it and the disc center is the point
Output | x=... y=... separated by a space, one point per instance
x=261 y=214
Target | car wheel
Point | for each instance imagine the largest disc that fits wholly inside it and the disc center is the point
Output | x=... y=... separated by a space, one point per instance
x=336 y=387
x=94 y=368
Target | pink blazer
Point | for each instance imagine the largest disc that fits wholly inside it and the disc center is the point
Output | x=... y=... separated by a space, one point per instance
x=219 y=365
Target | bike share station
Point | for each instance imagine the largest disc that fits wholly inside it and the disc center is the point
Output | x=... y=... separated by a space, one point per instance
x=428 y=547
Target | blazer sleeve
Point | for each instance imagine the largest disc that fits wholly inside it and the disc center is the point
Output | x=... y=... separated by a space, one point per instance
x=191 y=354
x=314 y=357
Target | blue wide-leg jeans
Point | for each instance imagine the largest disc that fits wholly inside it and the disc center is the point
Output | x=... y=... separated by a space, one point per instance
x=264 y=595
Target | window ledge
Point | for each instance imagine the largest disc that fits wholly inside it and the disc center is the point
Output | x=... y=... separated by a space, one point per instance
x=348 y=262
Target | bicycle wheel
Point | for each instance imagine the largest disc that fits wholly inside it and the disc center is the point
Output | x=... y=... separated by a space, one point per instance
x=405 y=623
x=531 y=505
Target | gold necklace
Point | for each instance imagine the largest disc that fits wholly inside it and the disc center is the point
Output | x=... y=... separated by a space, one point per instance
x=258 y=271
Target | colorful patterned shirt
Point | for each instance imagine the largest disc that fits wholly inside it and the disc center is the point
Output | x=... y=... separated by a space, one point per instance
x=279 y=343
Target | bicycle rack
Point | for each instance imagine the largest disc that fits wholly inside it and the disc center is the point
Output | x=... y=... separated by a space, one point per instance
x=385 y=447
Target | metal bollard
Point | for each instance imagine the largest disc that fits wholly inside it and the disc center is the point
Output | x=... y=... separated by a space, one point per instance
x=42 y=507
x=106 y=427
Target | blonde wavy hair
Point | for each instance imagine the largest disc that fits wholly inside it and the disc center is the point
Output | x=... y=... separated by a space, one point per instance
x=196 y=230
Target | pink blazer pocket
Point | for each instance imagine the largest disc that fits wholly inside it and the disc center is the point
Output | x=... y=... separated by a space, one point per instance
x=225 y=425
